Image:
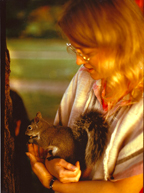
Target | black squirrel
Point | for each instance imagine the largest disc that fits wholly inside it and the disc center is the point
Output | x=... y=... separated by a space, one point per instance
x=85 y=142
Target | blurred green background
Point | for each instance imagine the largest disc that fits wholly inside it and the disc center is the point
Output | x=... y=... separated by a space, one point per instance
x=41 y=68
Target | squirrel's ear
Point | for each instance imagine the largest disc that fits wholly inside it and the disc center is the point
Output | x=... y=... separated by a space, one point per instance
x=39 y=115
x=36 y=119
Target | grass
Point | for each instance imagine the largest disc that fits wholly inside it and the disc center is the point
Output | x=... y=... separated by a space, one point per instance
x=40 y=69
x=44 y=102
x=36 y=44
x=55 y=70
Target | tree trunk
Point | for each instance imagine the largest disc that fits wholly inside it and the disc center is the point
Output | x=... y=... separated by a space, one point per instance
x=8 y=177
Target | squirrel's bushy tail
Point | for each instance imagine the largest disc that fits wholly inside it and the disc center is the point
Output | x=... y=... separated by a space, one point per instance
x=96 y=127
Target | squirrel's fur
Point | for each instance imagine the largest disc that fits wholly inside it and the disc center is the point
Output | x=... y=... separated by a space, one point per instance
x=85 y=142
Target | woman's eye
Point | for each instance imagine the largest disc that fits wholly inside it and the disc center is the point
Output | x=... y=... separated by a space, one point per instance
x=91 y=54
x=88 y=55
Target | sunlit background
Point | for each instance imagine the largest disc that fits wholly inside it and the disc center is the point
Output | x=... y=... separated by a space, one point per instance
x=41 y=68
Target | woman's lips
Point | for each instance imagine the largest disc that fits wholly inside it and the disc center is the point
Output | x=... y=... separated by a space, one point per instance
x=88 y=69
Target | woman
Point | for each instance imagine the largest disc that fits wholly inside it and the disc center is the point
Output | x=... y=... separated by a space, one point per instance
x=107 y=37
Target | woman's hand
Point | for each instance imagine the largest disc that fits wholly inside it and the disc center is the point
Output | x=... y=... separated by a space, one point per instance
x=37 y=151
x=38 y=167
x=63 y=171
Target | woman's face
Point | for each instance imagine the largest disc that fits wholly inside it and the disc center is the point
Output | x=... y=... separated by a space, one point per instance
x=95 y=62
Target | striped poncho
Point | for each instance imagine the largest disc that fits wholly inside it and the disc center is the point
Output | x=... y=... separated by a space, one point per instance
x=123 y=156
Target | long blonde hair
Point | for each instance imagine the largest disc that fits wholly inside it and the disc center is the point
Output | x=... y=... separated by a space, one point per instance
x=117 y=27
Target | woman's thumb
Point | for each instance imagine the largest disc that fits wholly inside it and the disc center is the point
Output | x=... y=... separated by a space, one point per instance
x=31 y=157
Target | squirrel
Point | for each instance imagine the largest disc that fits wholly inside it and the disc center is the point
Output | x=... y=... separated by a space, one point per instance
x=85 y=142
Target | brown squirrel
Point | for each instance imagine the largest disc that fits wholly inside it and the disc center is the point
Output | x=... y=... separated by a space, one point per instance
x=85 y=142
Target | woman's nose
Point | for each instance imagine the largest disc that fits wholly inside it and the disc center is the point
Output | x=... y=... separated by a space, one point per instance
x=79 y=60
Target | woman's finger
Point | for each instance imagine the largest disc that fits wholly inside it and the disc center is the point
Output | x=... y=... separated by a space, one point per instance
x=66 y=165
x=71 y=179
x=40 y=170
x=73 y=171
x=42 y=153
x=31 y=149
x=77 y=164
x=67 y=176
x=63 y=171
x=36 y=150
x=32 y=158
x=69 y=173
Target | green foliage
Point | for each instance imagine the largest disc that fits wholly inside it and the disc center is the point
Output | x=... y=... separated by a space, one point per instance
x=32 y=18
x=42 y=22
x=16 y=17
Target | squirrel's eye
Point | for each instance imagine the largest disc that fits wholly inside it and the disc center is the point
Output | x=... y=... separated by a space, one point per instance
x=29 y=127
